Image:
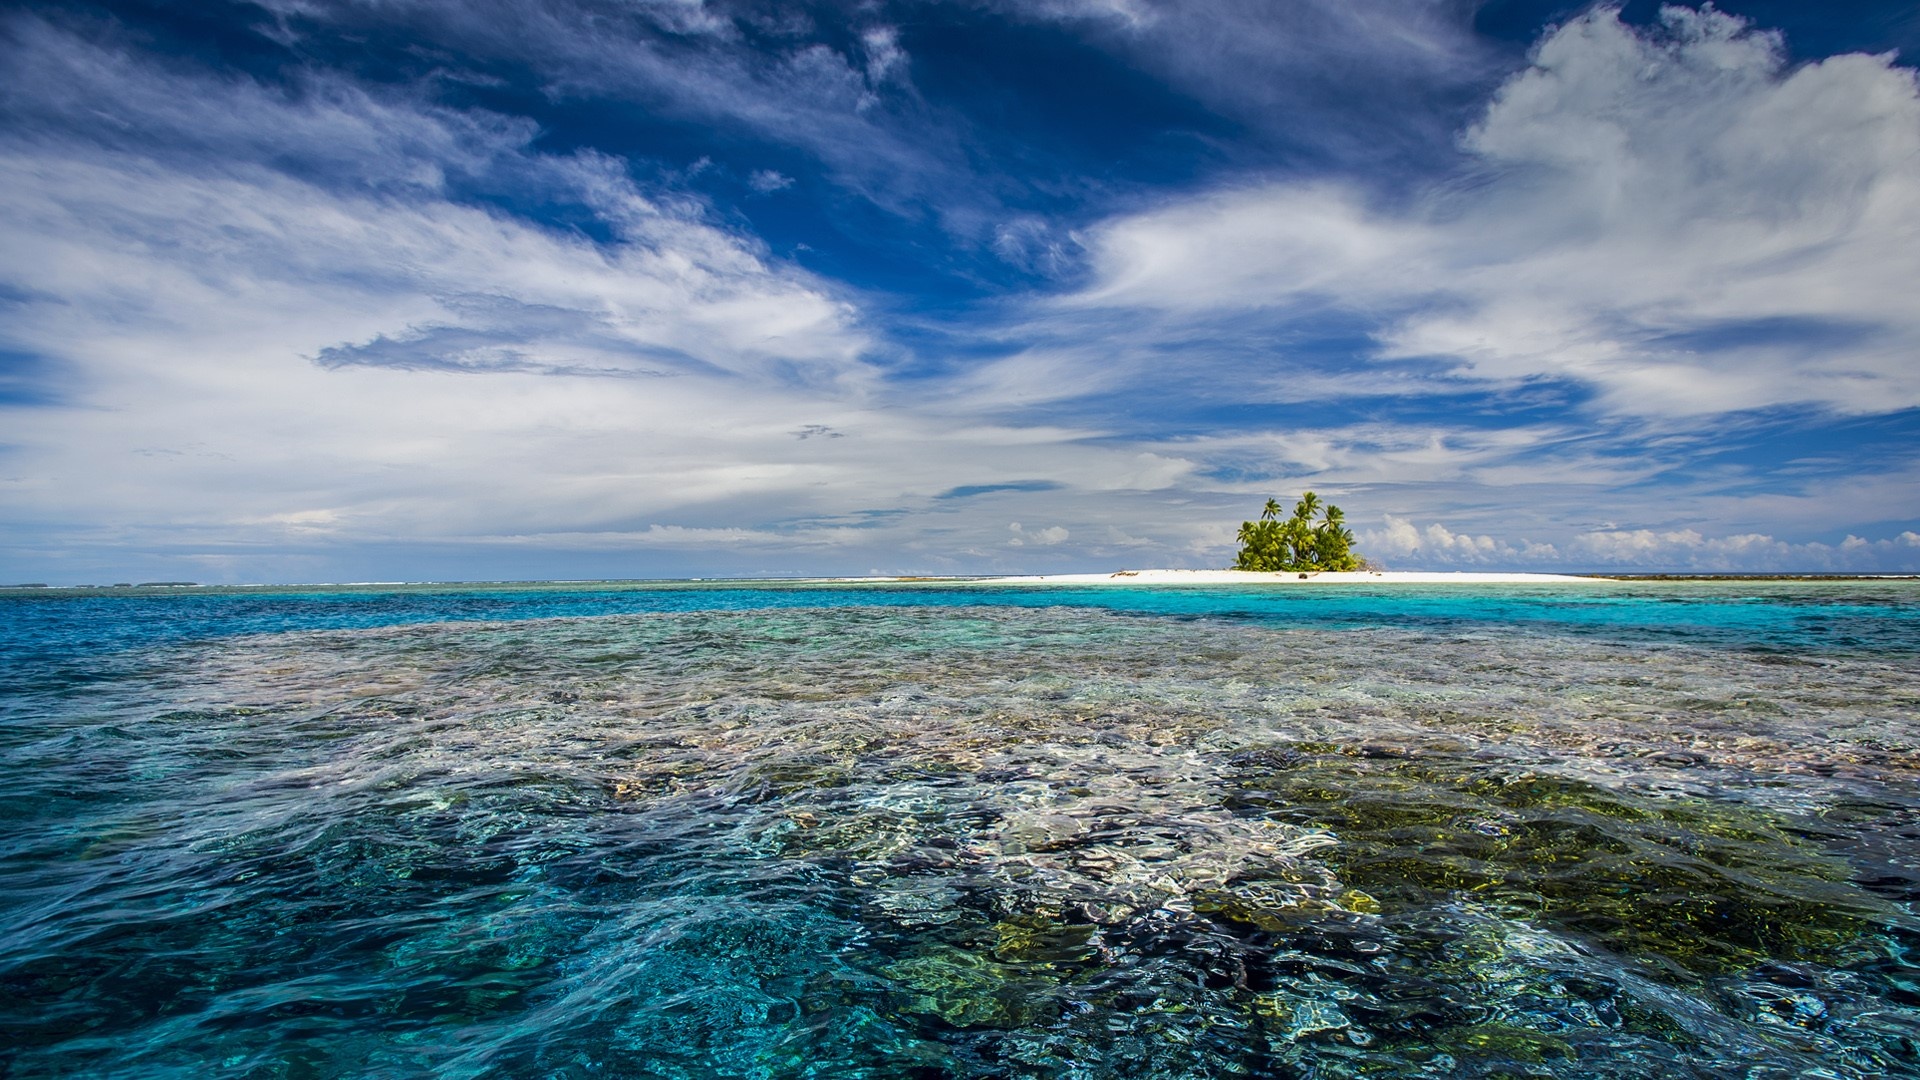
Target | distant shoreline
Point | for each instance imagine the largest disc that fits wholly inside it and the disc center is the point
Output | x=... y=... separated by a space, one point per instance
x=1151 y=577
x=1401 y=577
x=1326 y=577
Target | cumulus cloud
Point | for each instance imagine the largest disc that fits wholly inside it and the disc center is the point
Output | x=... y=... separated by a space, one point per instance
x=1047 y=537
x=1402 y=543
x=1688 y=549
x=1674 y=219
x=1399 y=538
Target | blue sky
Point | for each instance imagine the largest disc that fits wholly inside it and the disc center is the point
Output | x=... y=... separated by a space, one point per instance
x=308 y=290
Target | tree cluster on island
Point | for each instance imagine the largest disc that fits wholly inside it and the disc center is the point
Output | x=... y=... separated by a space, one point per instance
x=1299 y=542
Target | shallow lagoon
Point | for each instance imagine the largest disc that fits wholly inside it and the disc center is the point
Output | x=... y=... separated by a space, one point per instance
x=1667 y=829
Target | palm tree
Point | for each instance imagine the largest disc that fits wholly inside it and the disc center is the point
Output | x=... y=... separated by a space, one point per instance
x=1296 y=543
x=1300 y=532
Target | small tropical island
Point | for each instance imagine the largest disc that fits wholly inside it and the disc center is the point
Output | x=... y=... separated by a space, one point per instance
x=1311 y=546
x=1298 y=544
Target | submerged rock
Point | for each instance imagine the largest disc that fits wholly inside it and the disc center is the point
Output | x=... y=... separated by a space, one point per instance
x=968 y=990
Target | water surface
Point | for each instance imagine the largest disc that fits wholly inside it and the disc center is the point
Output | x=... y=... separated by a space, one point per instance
x=736 y=830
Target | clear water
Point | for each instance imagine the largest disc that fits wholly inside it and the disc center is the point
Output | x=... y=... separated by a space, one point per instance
x=745 y=831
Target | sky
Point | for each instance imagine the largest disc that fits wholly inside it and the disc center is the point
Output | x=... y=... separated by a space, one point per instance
x=328 y=290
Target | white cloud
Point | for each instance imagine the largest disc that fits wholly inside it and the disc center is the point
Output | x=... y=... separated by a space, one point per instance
x=283 y=321
x=1432 y=456
x=1129 y=13
x=770 y=73
x=884 y=54
x=1047 y=537
x=1399 y=538
x=1255 y=248
x=1034 y=244
x=767 y=181
x=331 y=192
x=1286 y=72
x=269 y=342
x=1403 y=544
x=1674 y=218
x=1689 y=549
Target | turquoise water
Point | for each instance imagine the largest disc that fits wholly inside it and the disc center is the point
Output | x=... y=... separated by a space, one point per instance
x=734 y=830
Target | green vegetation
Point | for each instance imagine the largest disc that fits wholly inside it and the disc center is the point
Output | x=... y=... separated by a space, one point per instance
x=1297 y=543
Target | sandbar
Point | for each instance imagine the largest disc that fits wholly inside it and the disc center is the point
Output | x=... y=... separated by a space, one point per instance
x=1328 y=577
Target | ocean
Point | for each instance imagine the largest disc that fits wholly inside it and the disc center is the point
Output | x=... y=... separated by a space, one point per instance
x=750 y=829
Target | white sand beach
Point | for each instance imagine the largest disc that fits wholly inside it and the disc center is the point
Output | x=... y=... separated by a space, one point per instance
x=1248 y=577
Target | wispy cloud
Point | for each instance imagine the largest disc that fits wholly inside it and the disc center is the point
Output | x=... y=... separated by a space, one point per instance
x=768 y=181
x=261 y=355
x=205 y=186
x=1363 y=82
x=774 y=73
